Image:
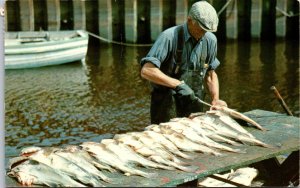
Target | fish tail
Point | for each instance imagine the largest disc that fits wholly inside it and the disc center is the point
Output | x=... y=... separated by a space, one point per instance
x=188 y=168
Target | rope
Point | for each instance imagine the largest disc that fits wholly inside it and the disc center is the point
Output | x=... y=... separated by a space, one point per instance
x=224 y=7
x=286 y=14
x=119 y=43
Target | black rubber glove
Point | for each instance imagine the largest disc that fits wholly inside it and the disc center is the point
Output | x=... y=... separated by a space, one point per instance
x=184 y=92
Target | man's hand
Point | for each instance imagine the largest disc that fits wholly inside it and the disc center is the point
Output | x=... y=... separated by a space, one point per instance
x=218 y=103
x=184 y=92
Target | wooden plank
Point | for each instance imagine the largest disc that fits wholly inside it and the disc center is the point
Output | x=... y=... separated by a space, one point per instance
x=283 y=130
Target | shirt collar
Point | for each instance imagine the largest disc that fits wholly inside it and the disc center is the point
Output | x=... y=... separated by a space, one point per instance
x=187 y=35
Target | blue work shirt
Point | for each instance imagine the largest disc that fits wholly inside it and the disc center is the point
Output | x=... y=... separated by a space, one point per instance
x=163 y=52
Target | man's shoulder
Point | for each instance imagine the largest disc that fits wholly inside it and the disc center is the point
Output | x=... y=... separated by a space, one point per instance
x=210 y=37
x=170 y=32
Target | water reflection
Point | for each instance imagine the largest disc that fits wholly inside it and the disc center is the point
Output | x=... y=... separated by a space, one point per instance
x=72 y=103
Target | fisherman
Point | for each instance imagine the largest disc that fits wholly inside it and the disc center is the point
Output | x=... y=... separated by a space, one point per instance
x=180 y=63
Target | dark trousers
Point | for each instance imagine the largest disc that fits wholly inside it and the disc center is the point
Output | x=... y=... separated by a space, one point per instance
x=165 y=106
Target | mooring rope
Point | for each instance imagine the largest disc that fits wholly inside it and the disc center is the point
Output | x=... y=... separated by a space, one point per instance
x=116 y=42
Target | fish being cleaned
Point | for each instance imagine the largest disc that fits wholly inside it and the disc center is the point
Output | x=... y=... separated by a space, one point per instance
x=128 y=155
x=224 y=118
x=48 y=157
x=32 y=172
x=100 y=152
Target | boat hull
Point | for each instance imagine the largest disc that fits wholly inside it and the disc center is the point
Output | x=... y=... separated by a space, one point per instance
x=60 y=47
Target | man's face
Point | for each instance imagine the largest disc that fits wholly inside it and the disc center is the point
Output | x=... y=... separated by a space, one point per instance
x=194 y=29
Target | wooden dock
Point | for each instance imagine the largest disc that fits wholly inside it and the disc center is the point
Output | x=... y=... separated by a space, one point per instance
x=283 y=132
x=141 y=21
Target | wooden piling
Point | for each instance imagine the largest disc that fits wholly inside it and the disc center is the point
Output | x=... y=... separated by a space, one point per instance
x=169 y=18
x=231 y=20
x=155 y=19
x=256 y=12
x=244 y=19
x=12 y=16
x=66 y=13
x=221 y=32
x=143 y=21
x=181 y=11
x=53 y=14
x=26 y=15
x=268 y=28
x=79 y=14
x=105 y=19
x=292 y=23
x=131 y=21
x=91 y=10
x=118 y=20
x=40 y=18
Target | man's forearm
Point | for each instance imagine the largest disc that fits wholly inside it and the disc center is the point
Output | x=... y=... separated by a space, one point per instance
x=212 y=83
x=153 y=74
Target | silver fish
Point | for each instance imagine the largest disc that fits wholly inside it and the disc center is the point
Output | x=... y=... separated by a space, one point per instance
x=32 y=172
x=183 y=128
x=129 y=155
x=241 y=116
x=167 y=144
x=84 y=162
x=99 y=151
x=226 y=119
x=202 y=126
x=49 y=157
x=182 y=142
x=225 y=131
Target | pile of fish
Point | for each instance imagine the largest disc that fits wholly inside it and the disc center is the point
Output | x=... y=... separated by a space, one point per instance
x=167 y=146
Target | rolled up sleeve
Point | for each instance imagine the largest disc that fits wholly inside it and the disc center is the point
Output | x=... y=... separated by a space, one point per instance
x=159 y=52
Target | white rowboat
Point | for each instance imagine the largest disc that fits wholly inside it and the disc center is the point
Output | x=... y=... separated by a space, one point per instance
x=29 y=49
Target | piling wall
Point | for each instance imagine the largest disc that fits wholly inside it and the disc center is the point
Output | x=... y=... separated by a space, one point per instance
x=141 y=21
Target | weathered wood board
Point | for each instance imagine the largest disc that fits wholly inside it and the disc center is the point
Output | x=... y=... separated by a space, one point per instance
x=283 y=130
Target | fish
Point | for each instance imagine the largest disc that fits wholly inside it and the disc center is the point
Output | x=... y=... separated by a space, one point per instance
x=129 y=155
x=182 y=126
x=225 y=131
x=224 y=118
x=31 y=172
x=84 y=154
x=205 y=128
x=239 y=115
x=99 y=151
x=156 y=154
x=182 y=142
x=158 y=148
x=80 y=158
x=167 y=144
x=48 y=157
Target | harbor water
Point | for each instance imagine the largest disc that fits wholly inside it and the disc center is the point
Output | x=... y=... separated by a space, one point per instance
x=105 y=95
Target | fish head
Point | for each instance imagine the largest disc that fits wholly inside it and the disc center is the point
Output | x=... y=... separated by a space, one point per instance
x=27 y=151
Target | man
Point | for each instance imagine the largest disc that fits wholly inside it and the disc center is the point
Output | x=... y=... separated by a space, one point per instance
x=181 y=60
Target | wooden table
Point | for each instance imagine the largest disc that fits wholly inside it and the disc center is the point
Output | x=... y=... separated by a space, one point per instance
x=283 y=130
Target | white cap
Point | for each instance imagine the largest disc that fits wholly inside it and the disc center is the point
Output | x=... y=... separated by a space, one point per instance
x=205 y=15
